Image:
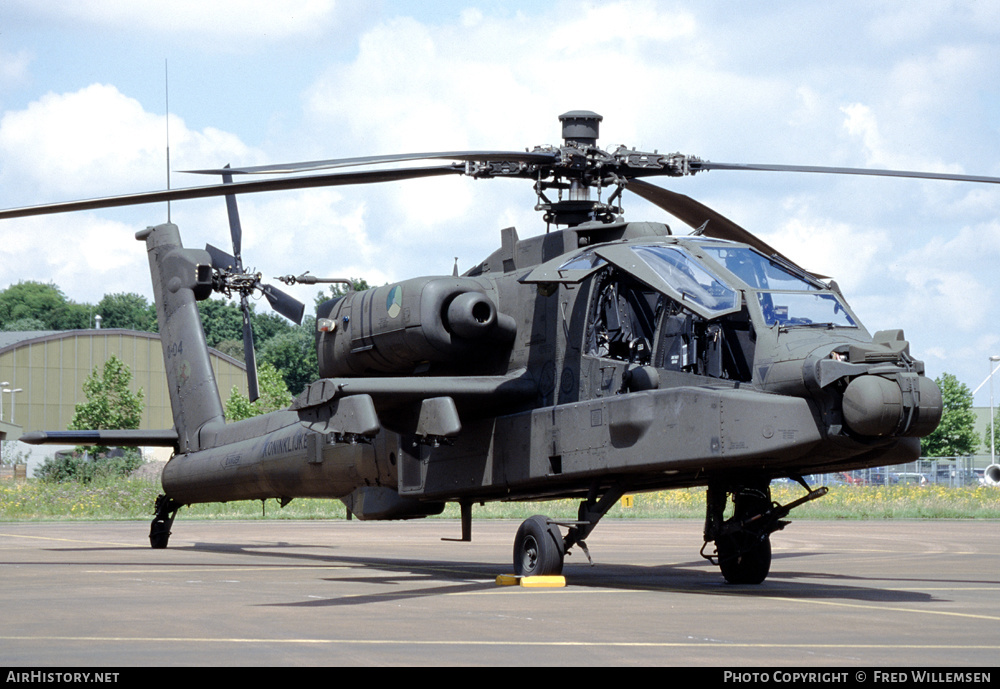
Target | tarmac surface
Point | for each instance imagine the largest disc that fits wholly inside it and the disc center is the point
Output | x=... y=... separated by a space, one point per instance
x=281 y=593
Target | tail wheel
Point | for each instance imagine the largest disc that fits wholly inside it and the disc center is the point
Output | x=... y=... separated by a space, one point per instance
x=538 y=548
x=159 y=530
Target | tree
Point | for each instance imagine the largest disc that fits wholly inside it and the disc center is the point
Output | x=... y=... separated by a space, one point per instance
x=996 y=431
x=293 y=353
x=110 y=403
x=274 y=395
x=82 y=468
x=11 y=455
x=955 y=436
x=45 y=303
x=223 y=321
x=129 y=311
x=21 y=325
x=231 y=348
x=289 y=348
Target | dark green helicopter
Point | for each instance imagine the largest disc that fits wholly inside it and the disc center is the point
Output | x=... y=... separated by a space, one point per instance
x=604 y=358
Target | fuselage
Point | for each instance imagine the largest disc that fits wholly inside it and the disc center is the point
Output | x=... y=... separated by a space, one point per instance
x=562 y=363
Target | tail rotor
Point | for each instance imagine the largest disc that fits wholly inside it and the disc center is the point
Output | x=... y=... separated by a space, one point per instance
x=231 y=277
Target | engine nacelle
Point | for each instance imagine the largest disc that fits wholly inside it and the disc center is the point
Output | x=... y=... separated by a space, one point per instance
x=396 y=328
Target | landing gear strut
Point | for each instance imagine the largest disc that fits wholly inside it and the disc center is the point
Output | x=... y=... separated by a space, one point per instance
x=743 y=542
x=159 y=531
x=539 y=547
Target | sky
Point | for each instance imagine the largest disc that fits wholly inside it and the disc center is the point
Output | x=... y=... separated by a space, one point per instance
x=85 y=87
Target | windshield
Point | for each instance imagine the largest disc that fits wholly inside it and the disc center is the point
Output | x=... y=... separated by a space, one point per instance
x=585 y=261
x=757 y=270
x=804 y=308
x=689 y=278
x=787 y=297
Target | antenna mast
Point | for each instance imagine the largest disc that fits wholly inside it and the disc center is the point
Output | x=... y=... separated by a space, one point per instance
x=166 y=93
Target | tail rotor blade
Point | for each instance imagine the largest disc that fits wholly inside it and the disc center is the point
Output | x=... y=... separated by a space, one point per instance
x=287 y=306
x=220 y=259
x=235 y=229
x=249 y=356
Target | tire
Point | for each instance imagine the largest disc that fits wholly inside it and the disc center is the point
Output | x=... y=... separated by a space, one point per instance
x=159 y=530
x=159 y=534
x=744 y=562
x=538 y=548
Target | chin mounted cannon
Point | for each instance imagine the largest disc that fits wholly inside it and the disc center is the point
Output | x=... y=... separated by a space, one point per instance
x=410 y=326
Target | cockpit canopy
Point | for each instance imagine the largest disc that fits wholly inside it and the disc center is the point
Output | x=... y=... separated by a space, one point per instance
x=707 y=276
x=787 y=296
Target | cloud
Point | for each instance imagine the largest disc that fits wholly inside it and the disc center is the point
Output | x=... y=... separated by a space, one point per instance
x=100 y=142
x=227 y=19
x=92 y=142
x=13 y=67
x=97 y=141
x=86 y=257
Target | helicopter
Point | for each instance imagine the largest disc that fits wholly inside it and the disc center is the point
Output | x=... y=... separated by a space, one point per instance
x=602 y=358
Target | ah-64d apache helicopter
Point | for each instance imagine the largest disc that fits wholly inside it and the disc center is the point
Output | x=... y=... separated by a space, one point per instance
x=604 y=358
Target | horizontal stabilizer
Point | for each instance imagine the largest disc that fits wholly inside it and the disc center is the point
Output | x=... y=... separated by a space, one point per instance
x=130 y=438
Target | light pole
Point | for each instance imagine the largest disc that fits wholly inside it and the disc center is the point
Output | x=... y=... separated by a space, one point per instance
x=992 y=473
x=993 y=449
x=2 y=386
x=12 y=400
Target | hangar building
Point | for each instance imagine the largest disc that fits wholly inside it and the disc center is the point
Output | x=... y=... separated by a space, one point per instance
x=49 y=369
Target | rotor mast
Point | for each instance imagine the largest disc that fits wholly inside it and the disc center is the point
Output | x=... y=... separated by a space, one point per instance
x=575 y=174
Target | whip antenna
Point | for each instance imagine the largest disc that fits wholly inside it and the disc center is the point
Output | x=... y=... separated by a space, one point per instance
x=166 y=95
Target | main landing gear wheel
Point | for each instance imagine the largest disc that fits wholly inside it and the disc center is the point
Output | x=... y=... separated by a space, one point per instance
x=745 y=554
x=741 y=560
x=538 y=548
x=742 y=542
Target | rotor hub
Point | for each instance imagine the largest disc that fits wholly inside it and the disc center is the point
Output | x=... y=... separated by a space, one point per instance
x=580 y=127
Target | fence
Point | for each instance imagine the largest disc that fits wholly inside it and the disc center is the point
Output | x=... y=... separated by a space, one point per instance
x=955 y=472
x=18 y=472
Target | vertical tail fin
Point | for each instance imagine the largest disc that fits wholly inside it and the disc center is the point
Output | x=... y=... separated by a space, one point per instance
x=182 y=277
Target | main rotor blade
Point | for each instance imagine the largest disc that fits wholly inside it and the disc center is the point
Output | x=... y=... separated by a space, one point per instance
x=697 y=166
x=327 y=180
x=287 y=306
x=696 y=214
x=313 y=165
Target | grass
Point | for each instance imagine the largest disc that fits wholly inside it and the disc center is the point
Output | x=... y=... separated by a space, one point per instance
x=129 y=499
